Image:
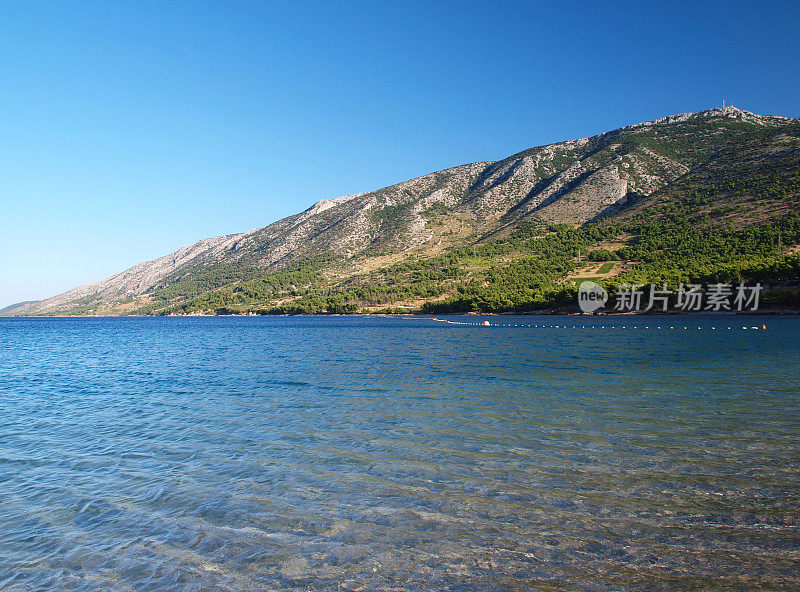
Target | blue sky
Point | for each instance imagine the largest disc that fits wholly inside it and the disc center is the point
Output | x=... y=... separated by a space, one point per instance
x=130 y=129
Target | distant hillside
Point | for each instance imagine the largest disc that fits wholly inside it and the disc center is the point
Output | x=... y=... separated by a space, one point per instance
x=506 y=235
x=18 y=307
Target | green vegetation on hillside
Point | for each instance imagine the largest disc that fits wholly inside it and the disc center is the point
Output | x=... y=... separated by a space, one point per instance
x=524 y=271
x=606 y=267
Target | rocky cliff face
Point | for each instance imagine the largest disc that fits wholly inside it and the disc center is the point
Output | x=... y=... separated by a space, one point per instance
x=569 y=182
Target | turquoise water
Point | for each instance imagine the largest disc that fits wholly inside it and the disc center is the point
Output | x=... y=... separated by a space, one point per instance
x=399 y=454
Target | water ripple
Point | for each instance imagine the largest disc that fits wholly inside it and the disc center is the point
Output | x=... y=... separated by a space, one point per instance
x=396 y=454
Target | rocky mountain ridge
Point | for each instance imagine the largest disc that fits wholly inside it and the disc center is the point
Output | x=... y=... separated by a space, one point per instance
x=571 y=182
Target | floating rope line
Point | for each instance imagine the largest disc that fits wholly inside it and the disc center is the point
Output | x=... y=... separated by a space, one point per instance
x=763 y=327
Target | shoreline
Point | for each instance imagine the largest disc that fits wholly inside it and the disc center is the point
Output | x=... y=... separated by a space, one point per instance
x=781 y=312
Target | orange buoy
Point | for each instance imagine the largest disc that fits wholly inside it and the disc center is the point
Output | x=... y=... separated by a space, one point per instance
x=485 y=323
x=763 y=327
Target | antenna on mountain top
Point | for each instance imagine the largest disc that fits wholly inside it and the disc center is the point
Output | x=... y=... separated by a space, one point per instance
x=723 y=103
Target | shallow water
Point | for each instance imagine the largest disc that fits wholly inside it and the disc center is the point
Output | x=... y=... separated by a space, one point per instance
x=399 y=454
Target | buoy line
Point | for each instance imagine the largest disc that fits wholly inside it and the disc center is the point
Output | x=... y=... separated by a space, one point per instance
x=763 y=327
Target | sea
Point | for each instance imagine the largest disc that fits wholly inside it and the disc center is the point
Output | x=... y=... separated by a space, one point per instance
x=400 y=453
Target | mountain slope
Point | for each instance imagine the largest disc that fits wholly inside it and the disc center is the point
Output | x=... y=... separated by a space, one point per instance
x=727 y=157
x=18 y=307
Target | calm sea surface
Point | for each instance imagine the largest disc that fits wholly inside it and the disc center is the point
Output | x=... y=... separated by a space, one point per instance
x=399 y=454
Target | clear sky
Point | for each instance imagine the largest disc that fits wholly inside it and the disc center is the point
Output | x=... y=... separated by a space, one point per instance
x=132 y=128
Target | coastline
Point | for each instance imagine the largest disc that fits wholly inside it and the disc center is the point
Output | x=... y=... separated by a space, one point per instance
x=410 y=314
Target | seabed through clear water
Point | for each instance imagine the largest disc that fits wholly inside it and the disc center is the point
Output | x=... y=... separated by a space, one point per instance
x=340 y=453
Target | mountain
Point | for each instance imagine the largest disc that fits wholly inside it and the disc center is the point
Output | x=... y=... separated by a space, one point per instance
x=723 y=169
x=17 y=307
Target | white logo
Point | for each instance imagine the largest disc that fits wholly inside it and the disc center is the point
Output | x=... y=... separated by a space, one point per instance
x=591 y=296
